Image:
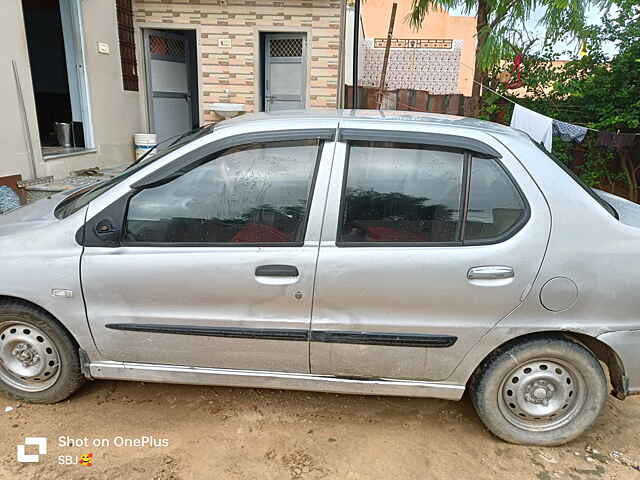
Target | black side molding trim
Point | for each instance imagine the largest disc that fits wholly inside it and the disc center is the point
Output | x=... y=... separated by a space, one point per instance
x=387 y=339
x=296 y=334
x=228 y=332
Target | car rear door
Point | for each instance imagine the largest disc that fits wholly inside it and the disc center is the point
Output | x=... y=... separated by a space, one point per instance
x=429 y=239
x=215 y=267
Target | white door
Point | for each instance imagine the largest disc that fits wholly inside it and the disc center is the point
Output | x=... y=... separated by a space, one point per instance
x=168 y=83
x=285 y=71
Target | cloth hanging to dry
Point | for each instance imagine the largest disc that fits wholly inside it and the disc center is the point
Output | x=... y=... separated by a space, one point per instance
x=538 y=126
x=569 y=132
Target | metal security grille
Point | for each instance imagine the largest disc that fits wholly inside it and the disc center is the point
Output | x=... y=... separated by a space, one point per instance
x=286 y=47
x=166 y=47
x=126 y=36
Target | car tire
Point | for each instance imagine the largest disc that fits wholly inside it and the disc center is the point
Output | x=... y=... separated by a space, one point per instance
x=39 y=361
x=542 y=391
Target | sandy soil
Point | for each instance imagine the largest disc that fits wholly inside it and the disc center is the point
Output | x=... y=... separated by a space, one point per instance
x=220 y=433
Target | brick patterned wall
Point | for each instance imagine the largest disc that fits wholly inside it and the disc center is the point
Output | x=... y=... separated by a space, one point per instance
x=233 y=68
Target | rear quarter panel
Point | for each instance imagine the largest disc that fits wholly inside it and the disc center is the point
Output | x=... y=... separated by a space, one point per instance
x=588 y=245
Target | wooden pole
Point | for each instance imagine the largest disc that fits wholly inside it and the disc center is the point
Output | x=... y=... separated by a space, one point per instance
x=387 y=48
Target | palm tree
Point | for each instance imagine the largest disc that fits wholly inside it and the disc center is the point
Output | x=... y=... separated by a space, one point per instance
x=501 y=23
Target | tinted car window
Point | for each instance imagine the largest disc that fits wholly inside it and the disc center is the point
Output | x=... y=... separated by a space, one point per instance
x=495 y=205
x=401 y=193
x=81 y=198
x=250 y=194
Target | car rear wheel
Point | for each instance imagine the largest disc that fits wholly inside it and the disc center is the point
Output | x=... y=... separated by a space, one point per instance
x=38 y=360
x=543 y=391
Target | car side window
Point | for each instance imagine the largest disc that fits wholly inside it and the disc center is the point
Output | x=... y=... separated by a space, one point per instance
x=251 y=194
x=401 y=193
x=495 y=206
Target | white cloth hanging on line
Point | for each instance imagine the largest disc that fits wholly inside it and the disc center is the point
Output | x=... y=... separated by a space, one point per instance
x=538 y=126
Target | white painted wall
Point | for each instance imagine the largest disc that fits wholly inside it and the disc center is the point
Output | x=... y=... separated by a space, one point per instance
x=14 y=157
x=348 y=46
x=115 y=113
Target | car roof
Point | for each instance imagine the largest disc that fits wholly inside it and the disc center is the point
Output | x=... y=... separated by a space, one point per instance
x=375 y=116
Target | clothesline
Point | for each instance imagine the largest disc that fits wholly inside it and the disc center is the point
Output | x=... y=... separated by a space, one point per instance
x=516 y=103
x=542 y=127
x=563 y=129
x=506 y=98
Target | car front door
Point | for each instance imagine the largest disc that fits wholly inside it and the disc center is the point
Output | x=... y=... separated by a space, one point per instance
x=429 y=240
x=215 y=266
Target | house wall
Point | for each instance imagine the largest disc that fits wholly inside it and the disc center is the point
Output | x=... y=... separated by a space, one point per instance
x=232 y=74
x=436 y=25
x=436 y=71
x=15 y=158
x=115 y=113
x=348 y=46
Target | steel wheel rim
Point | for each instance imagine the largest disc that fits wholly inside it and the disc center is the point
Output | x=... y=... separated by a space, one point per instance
x=29 y=360
x=542 y=394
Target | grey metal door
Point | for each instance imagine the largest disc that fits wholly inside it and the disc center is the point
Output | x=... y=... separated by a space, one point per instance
x=285 y=71
x=168 y=83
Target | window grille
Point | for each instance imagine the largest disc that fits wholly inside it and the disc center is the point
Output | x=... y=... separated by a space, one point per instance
x=126 y=35
x=286 y=47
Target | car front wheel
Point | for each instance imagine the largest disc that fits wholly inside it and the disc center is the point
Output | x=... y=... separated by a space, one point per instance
x=543 y=391
x=38 y=360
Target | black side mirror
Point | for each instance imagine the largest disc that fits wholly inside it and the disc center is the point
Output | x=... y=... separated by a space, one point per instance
x=105 y=228
x=107 y=232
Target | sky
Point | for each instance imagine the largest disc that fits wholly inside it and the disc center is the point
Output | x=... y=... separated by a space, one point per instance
x=594 y=16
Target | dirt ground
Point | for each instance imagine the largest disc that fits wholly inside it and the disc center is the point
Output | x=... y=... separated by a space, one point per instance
x=220 y=433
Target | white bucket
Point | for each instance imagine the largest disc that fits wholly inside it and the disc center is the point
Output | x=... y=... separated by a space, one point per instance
x=144 y=142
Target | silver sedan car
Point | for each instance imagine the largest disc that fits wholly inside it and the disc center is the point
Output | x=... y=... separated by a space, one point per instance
x=380 y=253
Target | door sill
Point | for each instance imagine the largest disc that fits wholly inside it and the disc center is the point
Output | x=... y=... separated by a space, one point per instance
x=143 y=372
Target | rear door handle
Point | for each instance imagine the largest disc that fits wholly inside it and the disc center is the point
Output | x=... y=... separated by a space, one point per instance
x=277 y=271
x=490 y=273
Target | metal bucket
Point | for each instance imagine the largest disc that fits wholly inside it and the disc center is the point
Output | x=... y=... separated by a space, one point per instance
x=63 y=133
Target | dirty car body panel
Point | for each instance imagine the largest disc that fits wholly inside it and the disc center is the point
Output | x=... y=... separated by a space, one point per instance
x=325 y=302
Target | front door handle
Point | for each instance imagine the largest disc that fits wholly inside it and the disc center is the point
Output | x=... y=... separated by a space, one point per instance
x=277 y=271
x=490 y=273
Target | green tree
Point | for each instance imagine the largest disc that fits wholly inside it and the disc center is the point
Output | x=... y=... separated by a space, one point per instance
x=500 y=24
x=599 y=91
x=605 y=92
